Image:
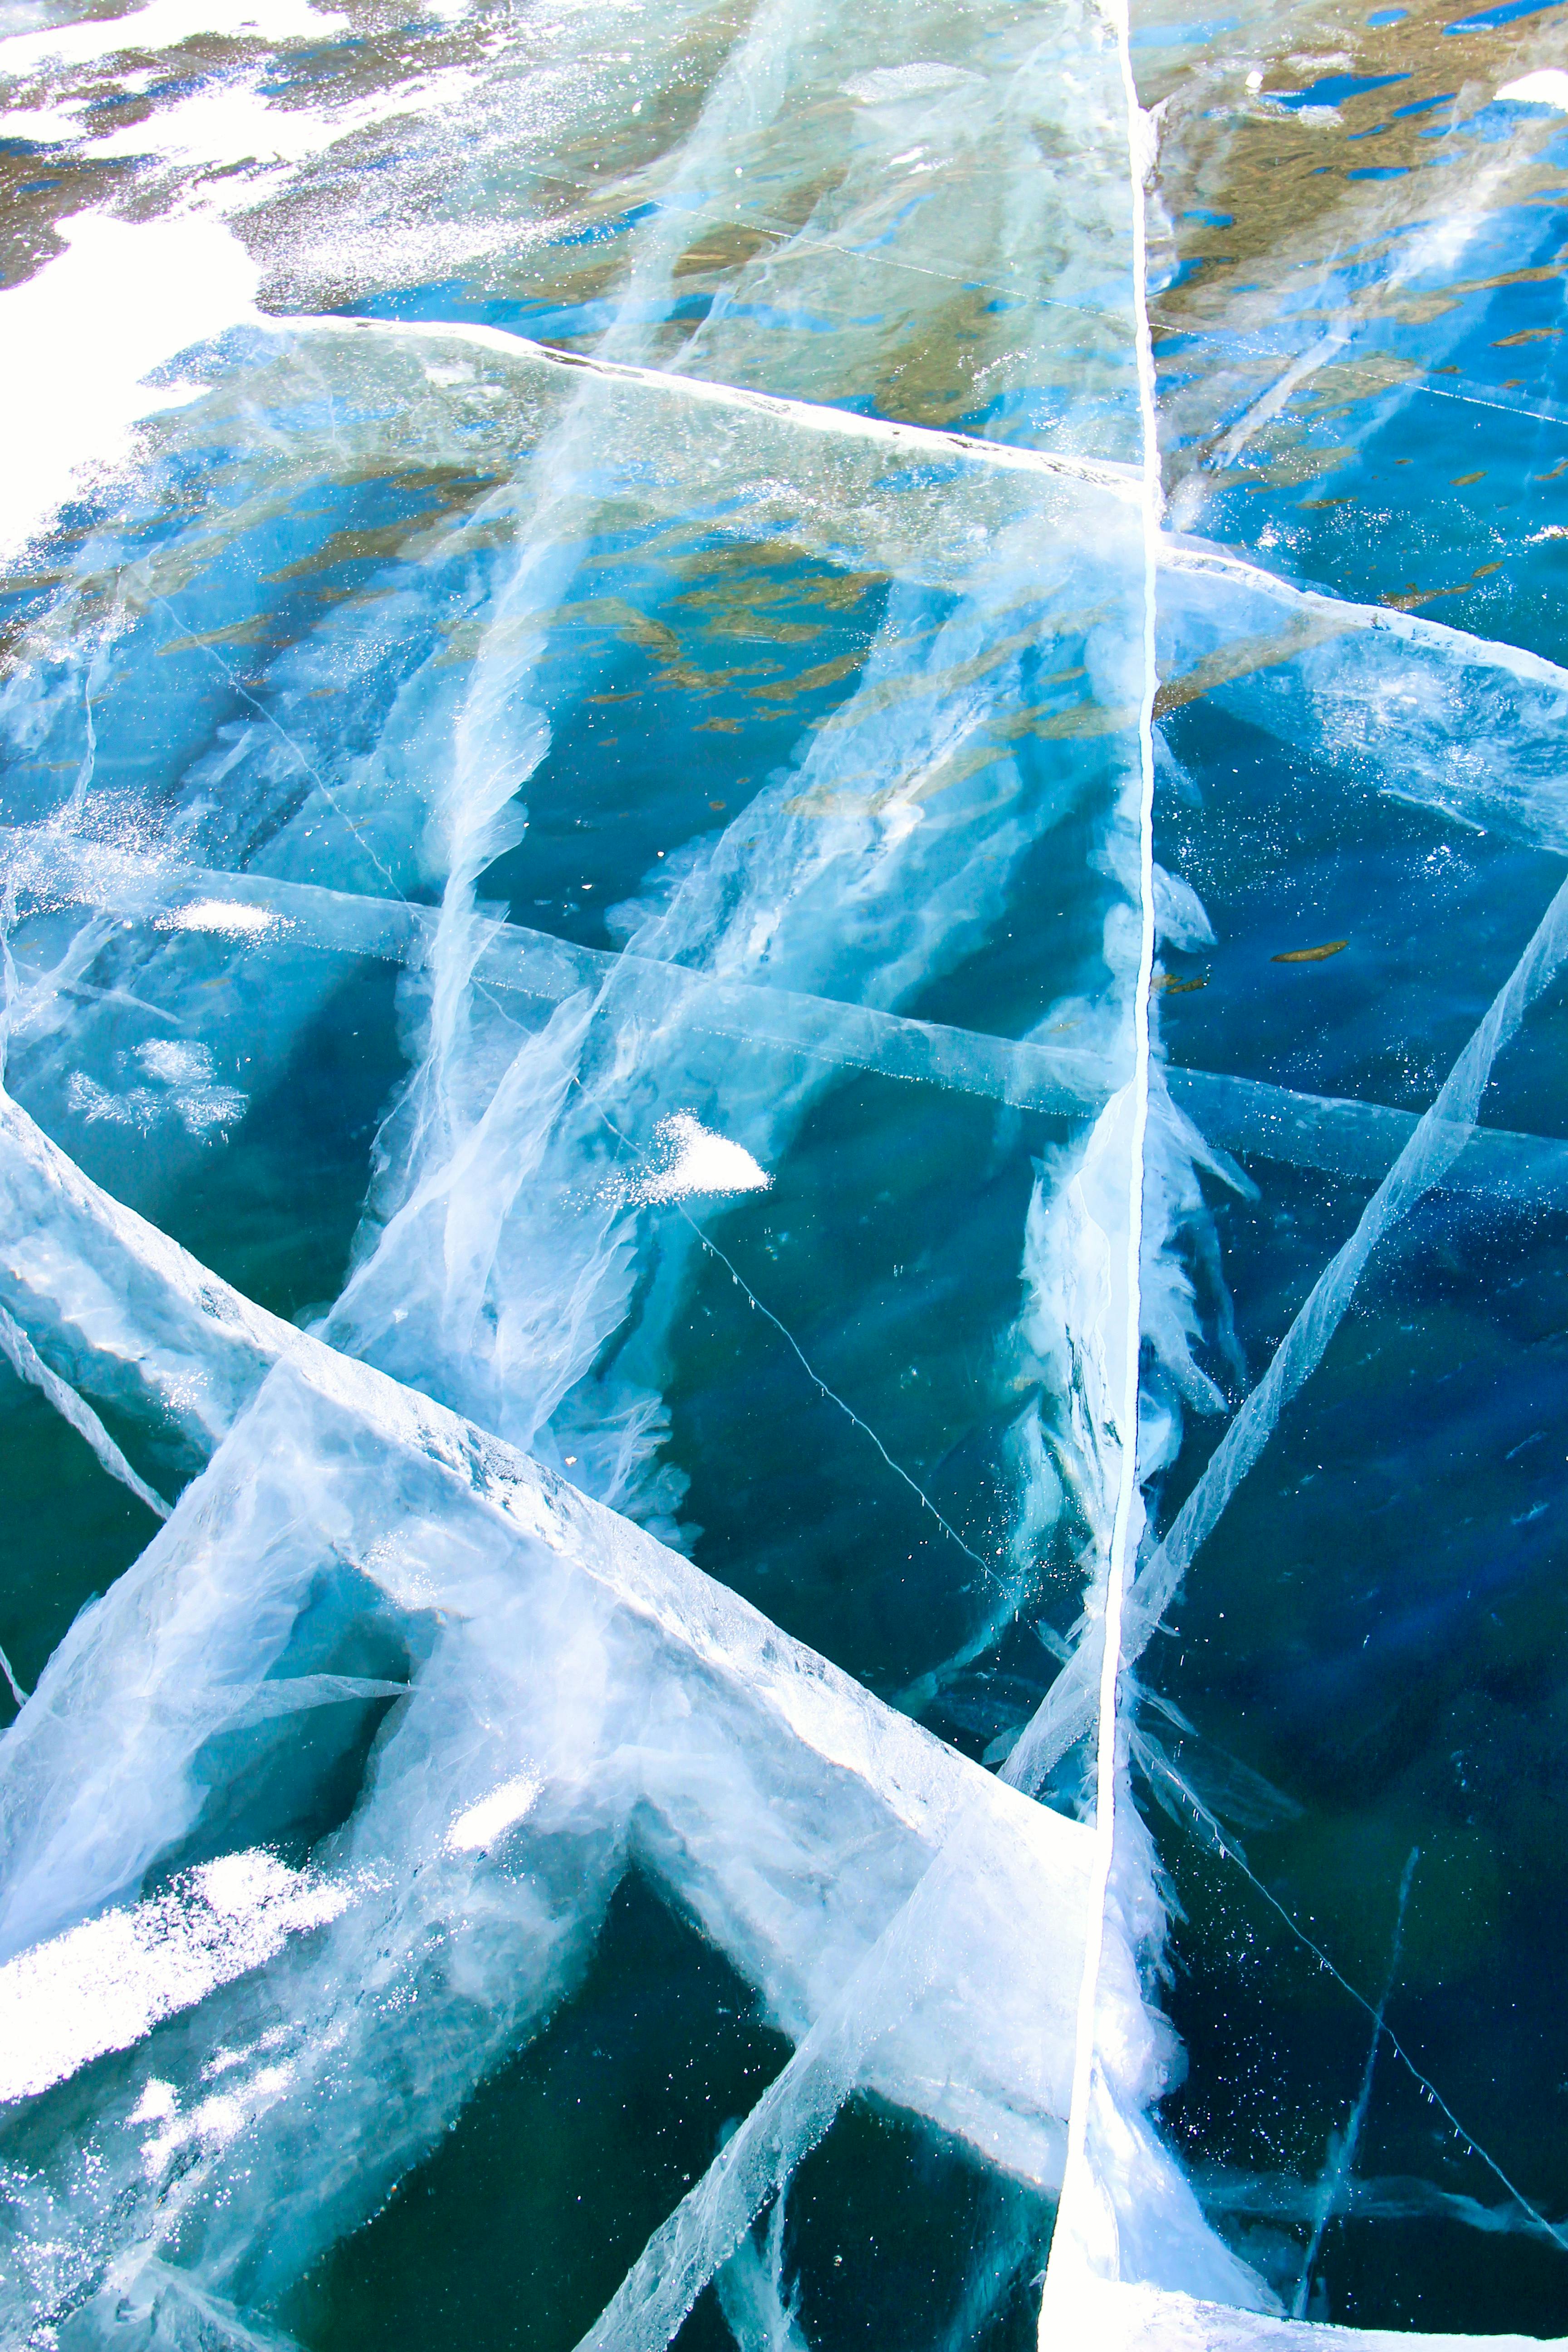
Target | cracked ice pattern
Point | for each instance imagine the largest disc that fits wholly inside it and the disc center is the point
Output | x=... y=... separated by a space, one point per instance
x=782 y=1178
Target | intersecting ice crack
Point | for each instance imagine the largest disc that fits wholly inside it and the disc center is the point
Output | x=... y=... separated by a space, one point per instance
x=113 y=1312
x=824 y=1760
x=1246 y=1115
x=1086 y=2238
x=1439 y=1137
x=390 y=920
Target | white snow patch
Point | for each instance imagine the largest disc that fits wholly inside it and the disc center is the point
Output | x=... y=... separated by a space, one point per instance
x=482 y=1824
x=164 y=26
x=82 y=336
x=45 y=126
x=228 y=918
x=695 y=1160
x=105 y=1985
x=1547 y=88
x=232 y=122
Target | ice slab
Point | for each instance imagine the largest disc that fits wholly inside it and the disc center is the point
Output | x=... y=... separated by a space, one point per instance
x=486 y=1557
x=1142 y=2319
x=803 y=206
x=1355 y=233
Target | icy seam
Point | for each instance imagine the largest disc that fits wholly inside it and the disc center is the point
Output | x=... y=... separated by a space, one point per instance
x=290 y=744
x=1341 y=2158
x=28 y=1365
x=1075 y=2183
x=817 y=417
x=812 y=1374
x=1559 y=2235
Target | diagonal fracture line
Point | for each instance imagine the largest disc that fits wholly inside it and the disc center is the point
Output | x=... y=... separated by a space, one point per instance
x=1197 y=557
x=812 y=416
x=1558 y=2234
x=288 y=744
x=1354 y=1140
x=1341 y=2161
x=799 y=1354
x=135 y=1318
x=1228 y=1851
x=789 y=2119
x=1440 y=1135
x=797 y=241
x=193 y=1352
x=26 y=1362
x=1267 y=405
x=1121 y=481
x=1474 y=400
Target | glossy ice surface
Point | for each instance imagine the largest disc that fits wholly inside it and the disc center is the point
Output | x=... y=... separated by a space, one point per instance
x=784 y=1175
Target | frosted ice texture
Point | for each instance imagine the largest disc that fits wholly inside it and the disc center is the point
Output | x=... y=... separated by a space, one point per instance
x=852 y=315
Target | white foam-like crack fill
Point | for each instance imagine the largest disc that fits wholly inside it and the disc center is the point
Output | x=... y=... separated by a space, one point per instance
x=105 y=1985
x=692 y=1161
x=226 y=918
x=84 y=335
x=478 y=1825
x=1548 y=86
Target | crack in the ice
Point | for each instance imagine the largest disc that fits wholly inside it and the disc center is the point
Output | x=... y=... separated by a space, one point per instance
x=1429 y=2089
x=28 y=1365
x=1228 y=1849
x=713 y=1249
x=1078 y=2246
x=1340 y=2160
x=1104 y=473
x=17 y=1692
x=284 y=737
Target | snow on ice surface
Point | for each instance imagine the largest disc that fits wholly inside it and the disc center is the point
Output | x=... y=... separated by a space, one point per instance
x=104 y=1985
x=95 y=325
x=645 y=890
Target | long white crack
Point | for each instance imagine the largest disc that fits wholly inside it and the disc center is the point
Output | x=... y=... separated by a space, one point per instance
x=1079 y=2242
x=810 y=416
x=1344 y=1137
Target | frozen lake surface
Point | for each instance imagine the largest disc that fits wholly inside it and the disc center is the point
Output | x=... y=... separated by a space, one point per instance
x=783 y=1176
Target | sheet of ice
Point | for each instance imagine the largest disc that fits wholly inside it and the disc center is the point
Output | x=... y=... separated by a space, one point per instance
x=972 y=1867
x=1234 y=1114
x=1414 y=707
x=927 y=175
x=822 y=205
x=478 y=1272
x=673 y=1724
x=1436 y=1142
x=1369 y=319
